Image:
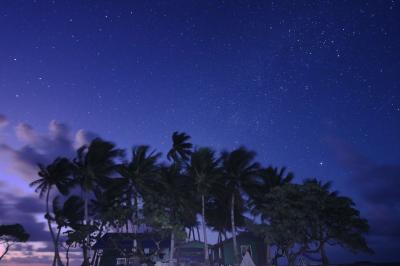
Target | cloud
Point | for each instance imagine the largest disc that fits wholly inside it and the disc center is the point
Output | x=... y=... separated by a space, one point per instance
x=22 y=210
x=83 y=137
x=36 y=148
x=348 y=156
x=3 y=121
x=378 y=185
x=29 y=204
x=26 y=134
x=43 y=148
x=34 y=260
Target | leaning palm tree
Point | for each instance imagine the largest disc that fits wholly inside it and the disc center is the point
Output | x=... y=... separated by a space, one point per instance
x=57 y=174
x=181 y=147
x=94 y=165
x=203 y=168
x=239 y=171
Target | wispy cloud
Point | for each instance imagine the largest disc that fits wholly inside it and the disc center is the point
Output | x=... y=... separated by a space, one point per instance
x=42 y=148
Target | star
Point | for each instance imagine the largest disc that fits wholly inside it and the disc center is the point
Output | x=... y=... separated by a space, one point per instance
x=321 y=163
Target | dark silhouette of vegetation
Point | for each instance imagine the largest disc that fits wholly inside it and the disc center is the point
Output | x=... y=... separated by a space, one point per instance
x=56 y=174
x=11 y=234
x=304 y=218
x=239 y=170
x=102 y=190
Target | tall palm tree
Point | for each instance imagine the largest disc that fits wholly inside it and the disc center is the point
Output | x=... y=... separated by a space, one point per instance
x=57 y=174
x=142 y=167
x=179 y=153
x=94 y=165
x=173 y=199
x=239 y=171
x=203 y=168
x=219 y=216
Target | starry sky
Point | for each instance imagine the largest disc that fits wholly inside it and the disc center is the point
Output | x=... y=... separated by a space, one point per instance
x=313 y=86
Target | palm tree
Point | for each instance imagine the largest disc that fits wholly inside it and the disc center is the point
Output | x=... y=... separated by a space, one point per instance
x=181 y=147
x=179 y=153
x=93 y=167
x=218 y=212
x=55 y=174
x=142 y=167
x=203 y=168
x=136 y=173
x=239 y=171
x=172 y=198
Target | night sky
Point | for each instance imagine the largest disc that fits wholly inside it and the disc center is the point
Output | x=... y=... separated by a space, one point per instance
x=313 y=86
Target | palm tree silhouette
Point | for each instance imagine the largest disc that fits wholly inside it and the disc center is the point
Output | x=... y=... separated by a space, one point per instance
x=174 y=190
x=93 y=167
x=239 y=171
x=179 y=153
x=181 y=147
x=142 y=167
x=203 y=168
x=57 y=174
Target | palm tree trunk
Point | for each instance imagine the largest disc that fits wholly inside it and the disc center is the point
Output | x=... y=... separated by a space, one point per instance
x=198 y=232
x=58 y=252
x=86 y=242
x=268 y=253
x=85 y=256
x=324 y=257
x=67 y=255
x=206 y=258
x=94 y=258
x=136 y=222
x=56 y=258
x=172 y=247
x=235 y=247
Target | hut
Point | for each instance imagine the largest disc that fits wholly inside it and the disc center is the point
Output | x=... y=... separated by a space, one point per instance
x=222 y=253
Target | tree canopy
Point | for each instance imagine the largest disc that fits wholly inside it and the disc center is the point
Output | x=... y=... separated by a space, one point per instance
x=11 y=234
x=119 y=193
